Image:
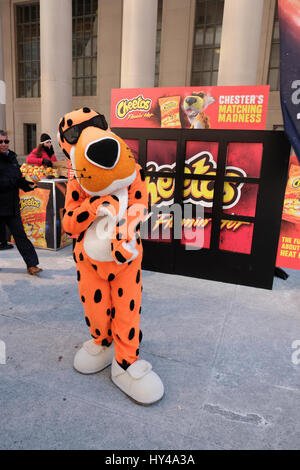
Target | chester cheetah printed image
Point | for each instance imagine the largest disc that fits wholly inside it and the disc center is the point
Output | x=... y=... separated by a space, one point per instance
x=194 y=106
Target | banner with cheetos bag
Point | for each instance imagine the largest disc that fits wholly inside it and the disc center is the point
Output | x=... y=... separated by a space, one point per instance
x=208 y=107
x=289 y=24
x=33 y=206
x=288 y=255
x=42 y=212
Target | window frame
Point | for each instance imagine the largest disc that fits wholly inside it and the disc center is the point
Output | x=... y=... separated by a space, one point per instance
x=29 y=63
x=205 y=47
x=30 y=136
x=81 y=39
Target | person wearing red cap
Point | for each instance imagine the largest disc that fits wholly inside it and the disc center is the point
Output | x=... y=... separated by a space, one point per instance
x=43 y=154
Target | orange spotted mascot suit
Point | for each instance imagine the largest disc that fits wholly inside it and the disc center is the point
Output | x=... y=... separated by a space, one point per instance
x=106 y=202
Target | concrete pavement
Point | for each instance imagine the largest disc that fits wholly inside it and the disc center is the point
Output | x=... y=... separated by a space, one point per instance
x=225 y=354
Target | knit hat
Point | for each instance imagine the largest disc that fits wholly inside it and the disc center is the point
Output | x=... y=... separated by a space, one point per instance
x=45 y=138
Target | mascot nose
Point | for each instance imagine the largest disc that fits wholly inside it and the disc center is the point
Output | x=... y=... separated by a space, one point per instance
x=190 y=100
x=104 y=152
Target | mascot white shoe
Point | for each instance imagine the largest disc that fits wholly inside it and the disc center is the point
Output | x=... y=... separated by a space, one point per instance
x=92 y=358
x=138 y=381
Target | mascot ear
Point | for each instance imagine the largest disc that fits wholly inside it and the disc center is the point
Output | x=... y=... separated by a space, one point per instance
x=61 y=124
x=60 y=137
x=104 y=123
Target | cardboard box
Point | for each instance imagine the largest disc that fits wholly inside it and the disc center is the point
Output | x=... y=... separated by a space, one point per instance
x=62 y=166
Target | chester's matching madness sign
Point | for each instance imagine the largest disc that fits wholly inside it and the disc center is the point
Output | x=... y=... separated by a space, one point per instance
x=224 y=107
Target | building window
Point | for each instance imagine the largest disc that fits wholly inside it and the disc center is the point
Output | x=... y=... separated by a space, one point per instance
x=207 y=40
x=158 y=41
x=84 y=28
x=274 y=64
x=28 y=50
x=29 y=137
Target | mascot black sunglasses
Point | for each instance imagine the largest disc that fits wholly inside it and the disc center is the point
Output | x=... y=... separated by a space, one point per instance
x=73 y=133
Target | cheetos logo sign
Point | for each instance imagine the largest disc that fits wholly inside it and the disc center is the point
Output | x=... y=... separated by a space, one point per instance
x=296 y=183
x=139 y=103
x=29 y=202
x=201 y=192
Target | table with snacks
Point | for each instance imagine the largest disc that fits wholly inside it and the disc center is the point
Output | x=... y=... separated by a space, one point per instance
x=42 y=208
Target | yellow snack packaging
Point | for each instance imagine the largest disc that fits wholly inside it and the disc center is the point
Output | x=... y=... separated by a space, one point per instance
x=291 y=208
x=169 y=110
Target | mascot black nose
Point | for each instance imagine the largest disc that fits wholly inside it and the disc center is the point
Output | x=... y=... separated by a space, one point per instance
x=104 y=152
x=190 y=100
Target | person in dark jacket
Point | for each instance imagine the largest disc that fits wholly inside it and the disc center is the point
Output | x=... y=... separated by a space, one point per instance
x=43 y=154
x=11 y=180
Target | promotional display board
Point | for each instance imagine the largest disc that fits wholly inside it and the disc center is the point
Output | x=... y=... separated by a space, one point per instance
x=239 y=198
x=238 y=179
x=288 y=255
x=219 y=107
x=41 y=213
x=33 y=207
x=289 y=23
x=229 y=107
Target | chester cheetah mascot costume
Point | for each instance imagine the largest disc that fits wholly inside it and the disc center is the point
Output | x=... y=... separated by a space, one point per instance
x=105 y=204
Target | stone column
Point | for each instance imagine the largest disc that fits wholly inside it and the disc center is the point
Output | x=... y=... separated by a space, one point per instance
x=138 y=43
x=2 y=83
x=56 y=64
x=109 y=57
x=177 y=42
x=241 y=32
